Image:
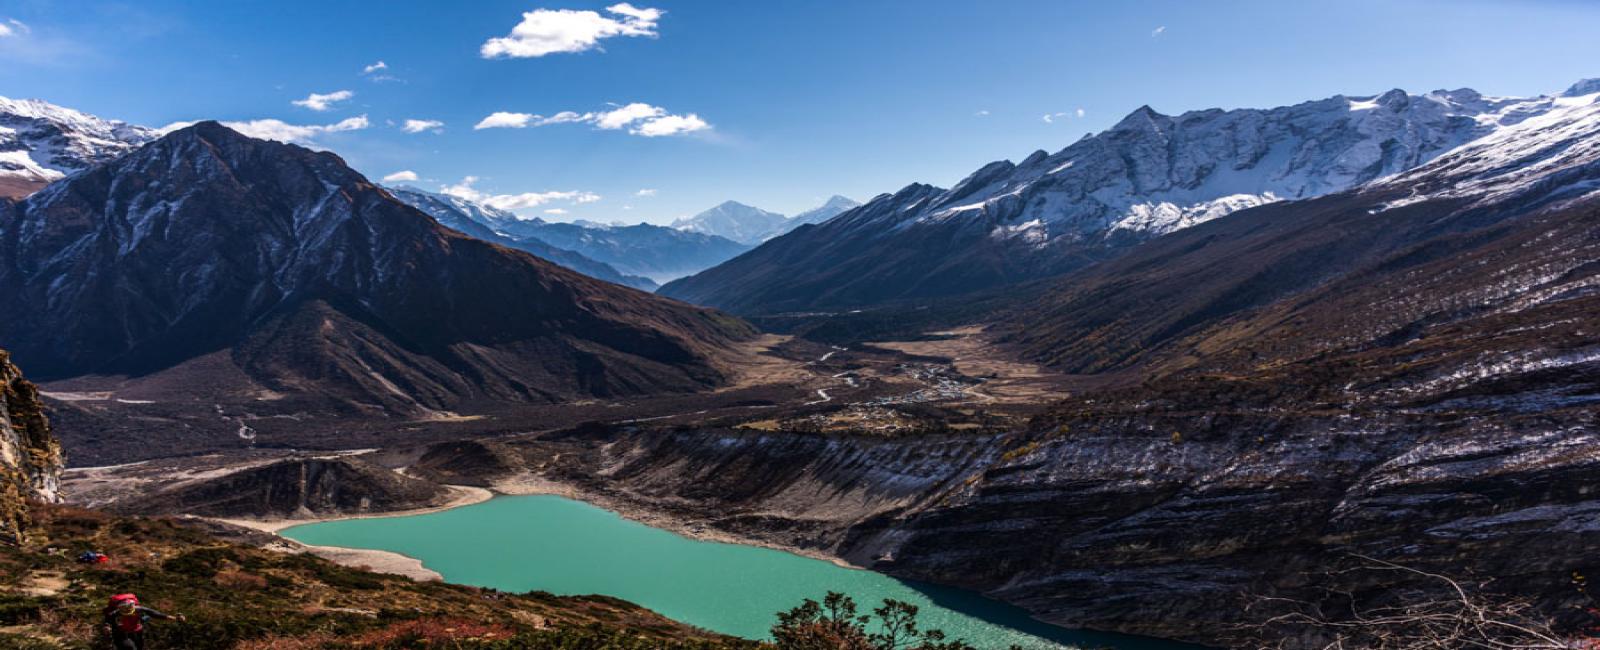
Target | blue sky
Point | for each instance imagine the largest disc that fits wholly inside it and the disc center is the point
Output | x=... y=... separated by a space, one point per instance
x=800 y=100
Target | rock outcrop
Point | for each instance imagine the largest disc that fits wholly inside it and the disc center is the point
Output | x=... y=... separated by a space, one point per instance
x=30 y=457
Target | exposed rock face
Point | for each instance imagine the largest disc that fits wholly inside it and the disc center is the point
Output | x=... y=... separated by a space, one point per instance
x=30 y=457
x=1105 y=519
x=296 y=488
x=1149 y=175
x=314 y=281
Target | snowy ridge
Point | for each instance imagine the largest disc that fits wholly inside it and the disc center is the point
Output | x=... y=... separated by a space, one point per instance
x=1549 y=147
x=1151 y=174
x=41 y=142
x=449 y=209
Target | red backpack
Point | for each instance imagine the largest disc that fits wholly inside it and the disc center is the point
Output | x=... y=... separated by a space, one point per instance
x=130 y=623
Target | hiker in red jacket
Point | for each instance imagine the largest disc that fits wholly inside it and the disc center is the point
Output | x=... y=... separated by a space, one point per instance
x=125 y=619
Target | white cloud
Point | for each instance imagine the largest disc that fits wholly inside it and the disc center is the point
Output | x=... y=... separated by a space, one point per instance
x=638 y=118
x=1050 y=118
x=12 y=27
x=504 y=120
x=549 y=31
x=283 y=131
x=418 y=126
x=557 y=211
x=982 y=113
x=380 y=65
x=618 y=118
x=1158 y=31
x=320 y=102
x=465 y=190
x=401 y=176
x=645 y=192
x=670 y=125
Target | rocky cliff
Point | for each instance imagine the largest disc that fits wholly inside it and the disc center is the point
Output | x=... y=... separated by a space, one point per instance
x=30 y=457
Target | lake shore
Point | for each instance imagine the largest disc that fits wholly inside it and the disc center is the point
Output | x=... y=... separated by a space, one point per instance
x=362 y=558
x=529 y=484
x=523 y=485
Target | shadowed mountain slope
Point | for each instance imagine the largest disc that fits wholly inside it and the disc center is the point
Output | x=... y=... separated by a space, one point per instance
x=312 y=280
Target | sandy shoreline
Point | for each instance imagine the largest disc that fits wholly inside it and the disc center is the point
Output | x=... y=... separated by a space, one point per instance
x=525 y=485
x=372 y=559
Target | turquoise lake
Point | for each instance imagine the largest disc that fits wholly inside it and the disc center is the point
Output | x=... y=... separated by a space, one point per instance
x=562 y=546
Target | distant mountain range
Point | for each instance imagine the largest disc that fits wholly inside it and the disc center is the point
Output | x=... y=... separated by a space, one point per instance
x=654 y=252
x=751 y=225
x=209 y=259
x=41 y=142
x=1148 y=175
x=472 y=219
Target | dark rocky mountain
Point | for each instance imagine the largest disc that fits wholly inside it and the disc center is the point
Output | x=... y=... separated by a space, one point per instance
x=465 y=217
x=1149 y=175
x=285 y=267
x=30 y=456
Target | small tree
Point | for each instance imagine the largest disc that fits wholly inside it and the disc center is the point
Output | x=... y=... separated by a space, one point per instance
x=833 y=624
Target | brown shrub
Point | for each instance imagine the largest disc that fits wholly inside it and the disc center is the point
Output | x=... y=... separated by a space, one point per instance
x=427 y=631
x=314 y=641
x=234 y=579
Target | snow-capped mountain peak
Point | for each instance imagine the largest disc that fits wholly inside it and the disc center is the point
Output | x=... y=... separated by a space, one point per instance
x=1583 y=87
x=829 y=209
x=1547 y=150
x=1153 y=173
x=734 y=220
x=41 y=142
